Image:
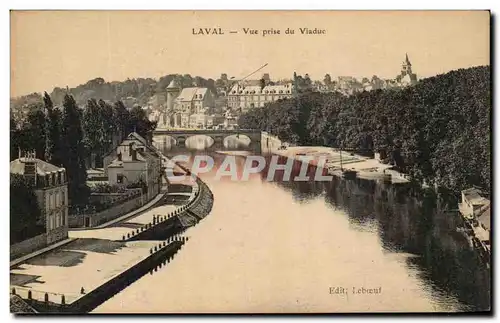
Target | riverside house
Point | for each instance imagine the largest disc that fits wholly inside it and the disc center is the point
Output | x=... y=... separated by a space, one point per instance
x=135 y=161
x=51 y=190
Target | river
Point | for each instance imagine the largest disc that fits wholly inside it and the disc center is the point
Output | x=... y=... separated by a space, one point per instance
x=285 y=247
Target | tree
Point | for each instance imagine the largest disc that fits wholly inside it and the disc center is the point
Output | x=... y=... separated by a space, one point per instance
x=25 y=214
x=108 y=126
x=54 y=145
x=34 y=132
x=121 y=118
x=15 y=139
x=437 y=131
x=140 y=123
x=93 y=129
x=74 y=152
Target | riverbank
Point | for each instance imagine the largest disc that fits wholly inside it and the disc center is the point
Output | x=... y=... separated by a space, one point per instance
x=100 y=262
x=336 y=160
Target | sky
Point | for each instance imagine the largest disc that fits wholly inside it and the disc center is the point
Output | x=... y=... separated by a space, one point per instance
x=68 y=48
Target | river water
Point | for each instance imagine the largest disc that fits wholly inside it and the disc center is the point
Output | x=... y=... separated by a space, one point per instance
x=285 y=247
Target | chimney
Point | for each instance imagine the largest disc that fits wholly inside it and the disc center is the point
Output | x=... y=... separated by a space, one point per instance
x=30 y=168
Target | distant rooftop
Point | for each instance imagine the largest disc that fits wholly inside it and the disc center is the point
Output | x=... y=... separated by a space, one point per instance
x=17 y=166
x=475 y=196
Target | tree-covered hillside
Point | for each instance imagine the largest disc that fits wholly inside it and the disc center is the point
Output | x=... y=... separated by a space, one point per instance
x=437 y=130
x=141 y=88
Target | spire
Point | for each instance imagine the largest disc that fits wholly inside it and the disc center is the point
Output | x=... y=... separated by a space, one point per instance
x=407 y=61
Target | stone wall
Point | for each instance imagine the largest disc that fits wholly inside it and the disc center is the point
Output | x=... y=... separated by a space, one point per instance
x=78 y=221
x=57 y=234
x=112 y=198
x=25 y=247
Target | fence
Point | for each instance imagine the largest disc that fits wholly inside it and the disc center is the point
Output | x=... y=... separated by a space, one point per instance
x=41 y=296
x=158 y=219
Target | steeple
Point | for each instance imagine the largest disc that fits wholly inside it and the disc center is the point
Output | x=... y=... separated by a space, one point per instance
x=406 y=66
x=407 y=61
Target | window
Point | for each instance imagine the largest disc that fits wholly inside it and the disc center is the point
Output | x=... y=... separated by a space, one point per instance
x=119 y=178
x=63 y=212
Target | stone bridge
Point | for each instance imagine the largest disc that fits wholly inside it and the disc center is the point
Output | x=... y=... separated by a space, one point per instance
x=208 y=140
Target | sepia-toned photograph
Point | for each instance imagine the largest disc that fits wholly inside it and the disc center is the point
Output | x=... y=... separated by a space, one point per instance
x=250 y=162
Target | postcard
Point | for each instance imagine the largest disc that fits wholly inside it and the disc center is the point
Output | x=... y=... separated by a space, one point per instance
x=250 y=162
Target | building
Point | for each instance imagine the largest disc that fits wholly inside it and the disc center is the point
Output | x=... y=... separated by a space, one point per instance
x=476 y=209
x=349 y=85
x=201 y=120
x=157 y=101
x=182 y=103
x=473 y=200
x=406 y=77
x=51 y=190
x=245 y=97
x=135 y=161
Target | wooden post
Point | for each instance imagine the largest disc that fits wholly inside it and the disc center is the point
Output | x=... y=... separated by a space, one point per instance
x=63 y=300
x=46 y=298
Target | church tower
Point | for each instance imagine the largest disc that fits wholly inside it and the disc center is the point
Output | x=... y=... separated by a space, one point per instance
x=406 y=67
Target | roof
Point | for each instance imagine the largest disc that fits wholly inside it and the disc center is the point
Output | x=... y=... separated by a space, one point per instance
x=135 y=135
x=474 y=196
x=173 y=84
x=239 y=89
x=192 y=94
x=18 y=305
x=407 y=60
x=484 y=216
x=42 y=167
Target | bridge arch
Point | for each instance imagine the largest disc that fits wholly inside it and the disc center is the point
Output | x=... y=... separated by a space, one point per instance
x=164 y=142
x=199 y=142
x=237 y=141
x=201 y=139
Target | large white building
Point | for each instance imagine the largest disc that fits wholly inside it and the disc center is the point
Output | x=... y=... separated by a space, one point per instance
x=51 y=191
x=254 y=96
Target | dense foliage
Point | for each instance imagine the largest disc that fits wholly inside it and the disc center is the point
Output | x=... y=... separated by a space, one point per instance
x=76 y=138
x=437 y=131
x=141 y=88
x=25 y=212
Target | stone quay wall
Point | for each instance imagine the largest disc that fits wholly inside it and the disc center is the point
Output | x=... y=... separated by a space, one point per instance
x=27 y=246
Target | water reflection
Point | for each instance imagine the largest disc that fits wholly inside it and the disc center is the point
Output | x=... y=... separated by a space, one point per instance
x=278 y=246
x=414 y=225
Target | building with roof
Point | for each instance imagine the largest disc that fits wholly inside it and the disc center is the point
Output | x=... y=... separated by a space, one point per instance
x=473 y=200
x=135 y=161
x=245 y=97
x=51 y=190
x=184 y=102
x=406 y=77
